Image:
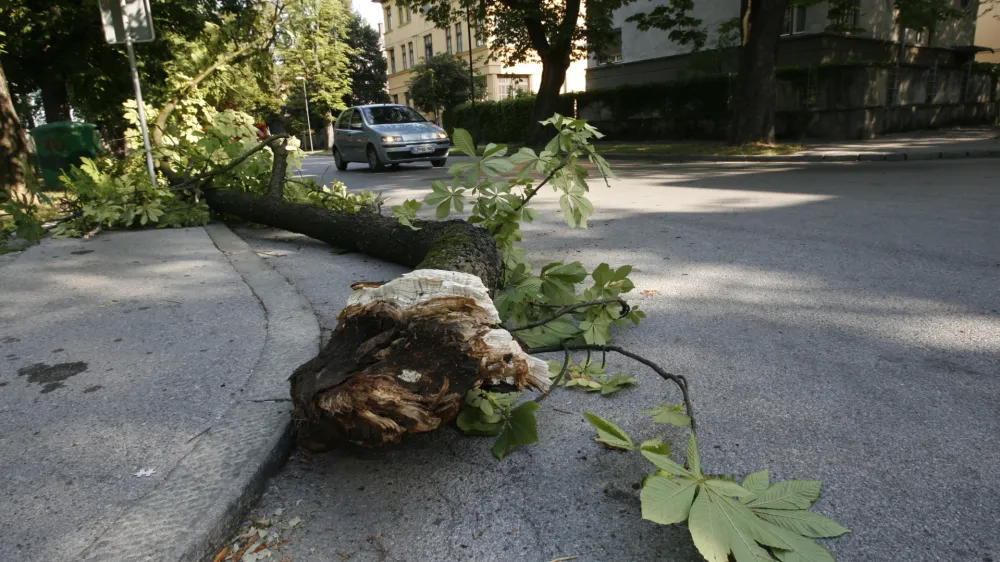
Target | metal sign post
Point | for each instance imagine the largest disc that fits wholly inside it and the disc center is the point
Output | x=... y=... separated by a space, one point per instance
x=129 y=22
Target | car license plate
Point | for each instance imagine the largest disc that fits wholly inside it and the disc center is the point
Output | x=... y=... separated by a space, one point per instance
x=422 y=149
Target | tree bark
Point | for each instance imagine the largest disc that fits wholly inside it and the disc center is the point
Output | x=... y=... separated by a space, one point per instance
x=13 y=146
x=55 y=100
x=449 y=245
x=402 y=359
x=405 y=353
x=755 y=99
x=328 y=117
x=554 y=69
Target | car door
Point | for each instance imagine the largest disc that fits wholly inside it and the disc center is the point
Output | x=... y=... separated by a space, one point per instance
x=340 y=136
x=357 y=136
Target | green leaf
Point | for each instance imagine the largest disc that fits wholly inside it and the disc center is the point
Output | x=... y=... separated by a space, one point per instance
x=800 y=549
x=790 y=494
x=803 y=522
x=746 y=530
x=463 y=142
x=665 y=463
x=709 y=528
x=470 y=422
x=726 y=487
x=492 y=149
x=667 y=500
x=407 y=212
x=520 y=429
x=757 y=482
x=672 y=414
x=693 y=459
x=656 y=446
x=609 y=433
x=616 y=383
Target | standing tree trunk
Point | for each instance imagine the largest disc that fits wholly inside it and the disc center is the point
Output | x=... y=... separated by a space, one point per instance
x=13 y=145
x=55 y=100
x=754 y=100
x=329 y=119
x=554 y=68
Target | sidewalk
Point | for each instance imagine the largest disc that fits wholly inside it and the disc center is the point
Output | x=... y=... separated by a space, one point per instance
x=971 y=142
x=134 y=368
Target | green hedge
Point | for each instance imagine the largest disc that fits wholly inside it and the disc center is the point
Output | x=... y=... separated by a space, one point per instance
x=510 y=120
x=493 y=121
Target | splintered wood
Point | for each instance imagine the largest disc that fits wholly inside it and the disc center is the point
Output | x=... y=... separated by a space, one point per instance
x=402 y=358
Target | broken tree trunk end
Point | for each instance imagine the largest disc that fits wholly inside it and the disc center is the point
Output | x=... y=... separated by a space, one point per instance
x=402 y=358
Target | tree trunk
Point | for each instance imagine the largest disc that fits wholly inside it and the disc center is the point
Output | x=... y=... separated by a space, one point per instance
x=328 y=116
x=402 y=358
x=13 y=146
x=404 y=353
x=55 y=100
x=754 y=99
x=450 y=245
x=554 y=68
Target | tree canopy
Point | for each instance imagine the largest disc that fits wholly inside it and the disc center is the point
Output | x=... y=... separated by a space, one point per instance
x=441 y=81
x=368 y=66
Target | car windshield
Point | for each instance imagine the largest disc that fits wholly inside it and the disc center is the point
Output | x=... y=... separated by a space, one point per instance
x=391 y=114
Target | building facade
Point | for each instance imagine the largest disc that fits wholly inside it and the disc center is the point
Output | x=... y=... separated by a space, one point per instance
x=988 y=35
x=409 y=38
x=808 y=39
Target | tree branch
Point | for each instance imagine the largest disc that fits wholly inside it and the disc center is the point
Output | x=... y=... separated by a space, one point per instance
x=679 y=380
x=188 y=182
x=567 y=309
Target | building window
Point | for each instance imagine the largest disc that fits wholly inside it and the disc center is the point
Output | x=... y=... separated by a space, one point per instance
x=612 y=53
x=794 y=21
x=845 y=16
x=480 y=34
x=407 y=14
x=447 y=39
x=402 y=53
x=400 y=10
x=410 y=45
x=406 y=95
x=395 y=98
x=428 y=47
x=458 y=38
x=931 y=85
x=508 y=85
x=388 y=19
x=392 y=60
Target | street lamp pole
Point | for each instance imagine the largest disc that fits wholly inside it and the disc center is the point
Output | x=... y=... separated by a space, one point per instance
x=472 y=74
x=305 y=96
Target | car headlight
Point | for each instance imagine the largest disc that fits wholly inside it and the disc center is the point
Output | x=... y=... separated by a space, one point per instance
x=392 y=139
x=441 y=135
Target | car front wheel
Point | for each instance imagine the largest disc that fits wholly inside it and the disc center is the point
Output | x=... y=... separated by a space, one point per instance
x=374 y=162
x=339 y=160
x=438 y=163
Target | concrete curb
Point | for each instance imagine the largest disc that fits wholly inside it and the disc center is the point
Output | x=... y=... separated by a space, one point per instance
x=202 y=501
x=812 y=157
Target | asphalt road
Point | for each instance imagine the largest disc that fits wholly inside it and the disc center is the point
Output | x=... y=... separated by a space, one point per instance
x=836 y=321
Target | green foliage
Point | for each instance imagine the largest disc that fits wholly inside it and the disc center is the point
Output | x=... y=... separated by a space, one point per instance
x=313 y=43
x=927 y=14
x=505 y=121
x=368 y=65
x=675 y=18
x=591 y=376
x=751 y=521
x=440 y=81
x=494 y=414
x=334 y=196
x=107 y=193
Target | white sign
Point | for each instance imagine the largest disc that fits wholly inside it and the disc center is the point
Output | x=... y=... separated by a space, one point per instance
x=137 y=19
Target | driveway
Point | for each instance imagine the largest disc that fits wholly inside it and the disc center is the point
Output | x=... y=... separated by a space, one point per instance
x=836 y=321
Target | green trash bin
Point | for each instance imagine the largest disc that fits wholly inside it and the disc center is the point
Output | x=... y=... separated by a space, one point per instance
x=61 y=145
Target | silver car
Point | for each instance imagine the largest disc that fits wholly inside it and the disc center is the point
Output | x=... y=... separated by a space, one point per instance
x=382 y=135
